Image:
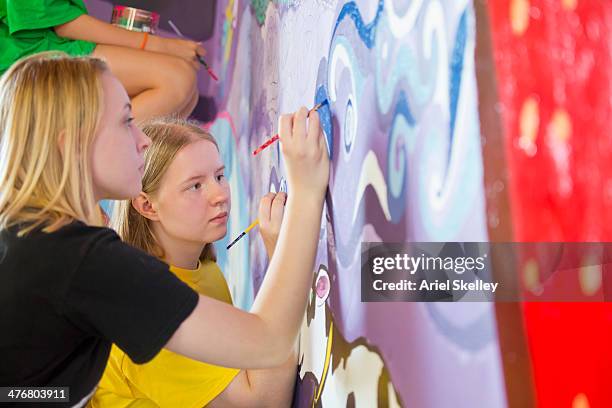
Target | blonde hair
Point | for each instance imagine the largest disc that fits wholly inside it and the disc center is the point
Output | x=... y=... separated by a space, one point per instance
x=49 y=99
x=168 y=136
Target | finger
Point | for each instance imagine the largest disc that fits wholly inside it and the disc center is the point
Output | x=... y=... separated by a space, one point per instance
x=265 y=206
x=281 y=196
x=200 y=50
x=323 y=142
x=280 y=199
x=285 y=124
x=278 y=206
x=314 y=125
x=299 y=122
x=195 y=64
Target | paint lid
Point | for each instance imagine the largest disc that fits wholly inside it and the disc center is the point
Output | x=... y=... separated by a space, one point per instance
x=135 y=19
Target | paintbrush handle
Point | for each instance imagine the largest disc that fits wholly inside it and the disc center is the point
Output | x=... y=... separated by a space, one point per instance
x=266 y=144
x=246 y=231
x=202 y=61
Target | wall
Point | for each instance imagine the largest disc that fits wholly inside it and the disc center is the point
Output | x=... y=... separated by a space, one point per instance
x=402 y=126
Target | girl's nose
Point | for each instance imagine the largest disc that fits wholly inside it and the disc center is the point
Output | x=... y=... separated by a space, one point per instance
x=218 y=193
x=142 y=140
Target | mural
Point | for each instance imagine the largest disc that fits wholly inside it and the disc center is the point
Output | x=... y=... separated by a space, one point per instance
x=402 y=128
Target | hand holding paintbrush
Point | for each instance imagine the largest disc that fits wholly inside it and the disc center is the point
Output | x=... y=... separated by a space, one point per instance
x=198 y=56
x=271 y=209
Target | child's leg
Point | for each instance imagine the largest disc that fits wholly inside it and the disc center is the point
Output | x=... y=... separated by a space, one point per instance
x=193 y=101
x=158 y=84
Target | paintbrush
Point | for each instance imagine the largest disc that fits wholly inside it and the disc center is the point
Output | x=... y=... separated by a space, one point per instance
x=246 y=231
x=200 y=58
x=276 y=137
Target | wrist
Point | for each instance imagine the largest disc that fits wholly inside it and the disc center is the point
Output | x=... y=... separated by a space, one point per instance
x=308 y=205
x=307 y=196
x=153 y=43
x=269 y=247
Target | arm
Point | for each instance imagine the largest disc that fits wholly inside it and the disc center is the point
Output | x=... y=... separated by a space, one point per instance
x=221 y=334
x=264 y=337
x=271 y=387
x=89 y=28
x=268 y=387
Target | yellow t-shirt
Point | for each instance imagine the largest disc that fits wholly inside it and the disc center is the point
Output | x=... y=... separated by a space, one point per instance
x=169 y=380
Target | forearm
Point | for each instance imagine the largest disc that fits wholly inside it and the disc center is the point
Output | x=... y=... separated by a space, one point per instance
x=282 y=297
x=91 y=29
x=273 y=387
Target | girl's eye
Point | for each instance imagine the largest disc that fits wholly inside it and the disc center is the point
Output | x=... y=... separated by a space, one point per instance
x=196 y=186
x=220 y=177
x=130 y=121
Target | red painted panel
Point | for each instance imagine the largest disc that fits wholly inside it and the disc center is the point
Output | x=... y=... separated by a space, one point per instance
x=554 y=70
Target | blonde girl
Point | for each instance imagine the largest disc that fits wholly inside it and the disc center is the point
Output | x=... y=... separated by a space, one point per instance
x=70 y=288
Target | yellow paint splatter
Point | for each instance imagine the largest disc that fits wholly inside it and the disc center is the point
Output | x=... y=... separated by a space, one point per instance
x=229 y=21
x=330 y=340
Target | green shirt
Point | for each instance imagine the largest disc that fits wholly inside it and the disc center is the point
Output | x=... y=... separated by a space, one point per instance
x=26 y=27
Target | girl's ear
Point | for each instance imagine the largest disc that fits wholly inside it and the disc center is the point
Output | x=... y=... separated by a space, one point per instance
x=145 y=207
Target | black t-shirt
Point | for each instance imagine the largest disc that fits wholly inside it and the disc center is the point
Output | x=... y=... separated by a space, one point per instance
x=66 y=296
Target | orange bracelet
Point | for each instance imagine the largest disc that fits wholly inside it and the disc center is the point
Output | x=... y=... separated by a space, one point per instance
x=144 y=41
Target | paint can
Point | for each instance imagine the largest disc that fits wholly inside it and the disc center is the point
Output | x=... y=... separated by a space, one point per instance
x=135 y=19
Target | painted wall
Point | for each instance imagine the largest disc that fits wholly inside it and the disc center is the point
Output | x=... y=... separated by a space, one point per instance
x=402 y=126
